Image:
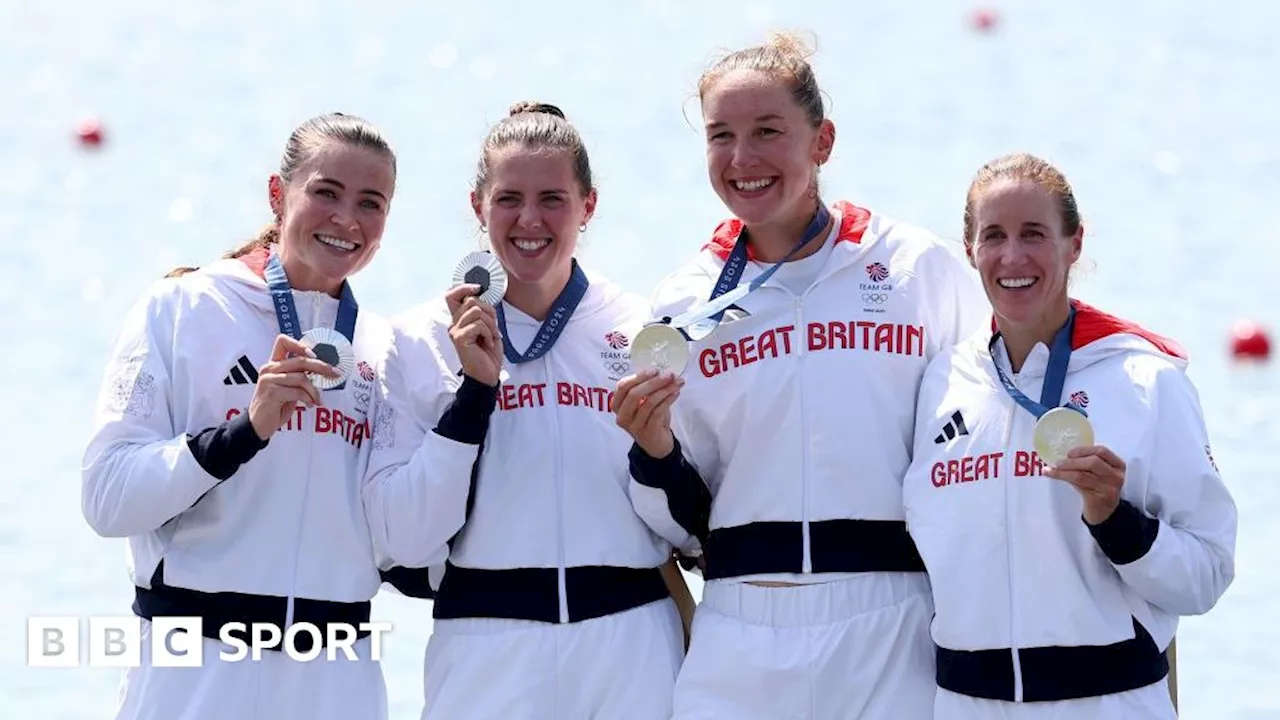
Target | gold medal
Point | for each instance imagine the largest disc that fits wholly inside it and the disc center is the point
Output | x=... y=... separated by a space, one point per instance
x=659 y=347
x=1058 y=432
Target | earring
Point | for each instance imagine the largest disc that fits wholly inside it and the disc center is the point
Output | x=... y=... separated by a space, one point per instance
x=484 y=229
x=582 y=227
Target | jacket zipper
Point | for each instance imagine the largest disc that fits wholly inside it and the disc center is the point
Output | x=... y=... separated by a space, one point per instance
x=1008 y=543
x=807 y=562
x=306 y=487
x=559 y=471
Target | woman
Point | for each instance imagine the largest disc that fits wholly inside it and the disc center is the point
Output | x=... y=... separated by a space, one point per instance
x=794 y=422
x=227 y=453
x=1063 y=543
x=552 y=603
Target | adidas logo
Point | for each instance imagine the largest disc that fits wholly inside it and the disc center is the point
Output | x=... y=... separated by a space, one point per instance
x=242 y=373
x=953 y=428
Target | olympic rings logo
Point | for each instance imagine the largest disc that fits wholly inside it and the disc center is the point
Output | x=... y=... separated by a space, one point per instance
x=361 y=397
x=875 y=298
x=617 y=367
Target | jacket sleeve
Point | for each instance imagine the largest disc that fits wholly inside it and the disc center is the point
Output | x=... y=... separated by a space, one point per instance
x=670 y=494
x=671 y=497
x=961 y=307
x=427 y=438
x=1175 y=544
x=138 y=472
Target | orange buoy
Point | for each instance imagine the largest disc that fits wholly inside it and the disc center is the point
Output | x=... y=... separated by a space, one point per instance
x=1249 y=341
x=89 y=132
x=984 y=19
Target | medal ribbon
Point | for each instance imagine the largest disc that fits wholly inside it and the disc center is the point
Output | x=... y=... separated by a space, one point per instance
x=566 y=302
x=727 y=292
x=287 y=313
x=1055 y=374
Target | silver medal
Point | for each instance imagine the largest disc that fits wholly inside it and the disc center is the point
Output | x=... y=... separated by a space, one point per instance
x=333 y=348
x=483 y=269
x=659 y=347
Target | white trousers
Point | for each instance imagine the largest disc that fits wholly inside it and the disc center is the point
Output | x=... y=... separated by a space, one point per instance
x=1146 y=703
x=275 y=687
x=617 y=667
x=842 y=650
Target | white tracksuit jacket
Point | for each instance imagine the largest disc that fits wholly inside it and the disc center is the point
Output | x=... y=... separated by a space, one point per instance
x=799 y=417
x=549 y=493
x=288 y=523
x=1032 y=604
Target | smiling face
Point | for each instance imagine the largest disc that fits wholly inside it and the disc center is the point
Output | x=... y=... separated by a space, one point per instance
x=533 y=205
x=1022 y=254
x=332 y=212
x=762 y=149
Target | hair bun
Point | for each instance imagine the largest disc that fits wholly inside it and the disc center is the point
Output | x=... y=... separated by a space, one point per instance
x=790 y=44
x=529 y=106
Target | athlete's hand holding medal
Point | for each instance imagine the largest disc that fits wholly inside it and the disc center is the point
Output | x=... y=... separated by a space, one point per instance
x=1063 y=435
x=1064 y=440
x=642 y=406
x=480 y=282
x=642 y=400
x=1097 y=473
x=289 y=378
x=301 y=364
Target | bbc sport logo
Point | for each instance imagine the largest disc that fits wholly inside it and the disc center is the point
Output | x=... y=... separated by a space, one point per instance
x=179 y=642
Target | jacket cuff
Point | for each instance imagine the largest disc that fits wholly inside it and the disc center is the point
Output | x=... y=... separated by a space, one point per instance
x=656 y=472
x=688 y=499
x=466 y=420
x=223 y=449
x=1127 y=535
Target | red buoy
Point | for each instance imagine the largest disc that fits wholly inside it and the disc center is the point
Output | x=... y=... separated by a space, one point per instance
x=1249 y=341
x=89 y=132
x=984 y=19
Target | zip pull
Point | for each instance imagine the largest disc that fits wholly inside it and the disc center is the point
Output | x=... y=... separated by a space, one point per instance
x=316 y=305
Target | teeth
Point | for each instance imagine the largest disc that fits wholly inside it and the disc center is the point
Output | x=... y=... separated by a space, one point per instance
x=335 y=242
x=531 y=245
x=1014 y=283
x=752 y=185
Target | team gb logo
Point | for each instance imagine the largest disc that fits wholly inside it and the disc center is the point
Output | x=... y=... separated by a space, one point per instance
x=615 y=359
x=877 y=272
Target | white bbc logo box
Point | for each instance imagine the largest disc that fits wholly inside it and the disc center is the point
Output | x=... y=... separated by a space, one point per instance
x=178 y=641
x=114 y=642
